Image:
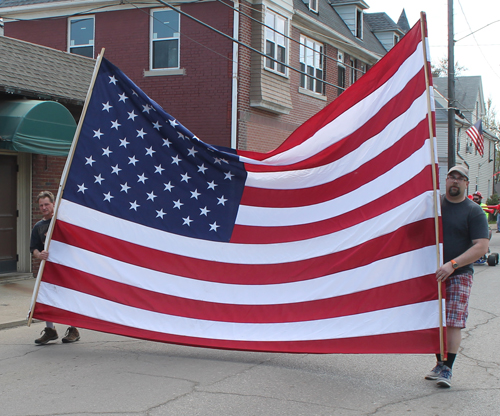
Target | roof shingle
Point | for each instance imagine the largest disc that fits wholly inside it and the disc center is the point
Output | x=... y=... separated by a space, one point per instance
x=38 y=71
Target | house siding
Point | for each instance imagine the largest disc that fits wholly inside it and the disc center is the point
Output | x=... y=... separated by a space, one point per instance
x=386 y=39
x=348 y=15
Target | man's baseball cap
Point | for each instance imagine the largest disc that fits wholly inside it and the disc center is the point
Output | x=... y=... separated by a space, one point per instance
x=460 y=169
x=478 y=194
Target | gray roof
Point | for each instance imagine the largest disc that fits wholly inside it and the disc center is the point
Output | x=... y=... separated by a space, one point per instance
x=466 y=90
x=44 y=73
x=380 y=22
x=329 y=17
x=403 y=22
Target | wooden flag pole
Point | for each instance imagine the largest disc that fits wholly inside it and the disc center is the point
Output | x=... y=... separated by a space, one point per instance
x=63 y=183
x=423 y=27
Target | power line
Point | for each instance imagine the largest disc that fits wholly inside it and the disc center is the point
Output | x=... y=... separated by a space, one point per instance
x=475 y=40
x=489 y=24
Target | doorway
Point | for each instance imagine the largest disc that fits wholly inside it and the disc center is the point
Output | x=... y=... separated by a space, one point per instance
x=8 y=214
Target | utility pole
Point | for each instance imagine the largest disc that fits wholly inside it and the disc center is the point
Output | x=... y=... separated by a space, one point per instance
x=451 y=89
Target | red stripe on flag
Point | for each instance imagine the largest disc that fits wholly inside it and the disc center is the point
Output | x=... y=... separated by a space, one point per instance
x=414 y=342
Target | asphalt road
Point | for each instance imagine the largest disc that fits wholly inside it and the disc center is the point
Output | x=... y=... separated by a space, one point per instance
x=104 y=374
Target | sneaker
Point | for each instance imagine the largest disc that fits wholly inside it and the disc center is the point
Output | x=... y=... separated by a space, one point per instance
x=49 y=334
x=434 y=373
x=444 y=379
x=71 y=335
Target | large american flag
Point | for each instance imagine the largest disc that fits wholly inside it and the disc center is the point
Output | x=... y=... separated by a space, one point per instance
x=475 y=133
x=325 y=245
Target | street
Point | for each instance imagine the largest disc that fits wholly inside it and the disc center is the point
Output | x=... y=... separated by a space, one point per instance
x=107 y=374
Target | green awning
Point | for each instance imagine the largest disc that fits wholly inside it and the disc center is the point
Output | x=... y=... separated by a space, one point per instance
x=31 y=126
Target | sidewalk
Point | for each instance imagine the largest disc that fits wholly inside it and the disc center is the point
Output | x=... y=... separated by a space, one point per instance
x=15 y=299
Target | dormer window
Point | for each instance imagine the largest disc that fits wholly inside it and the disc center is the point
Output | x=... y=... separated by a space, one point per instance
x=359 y=23
x=313 y=5
x=396 y=39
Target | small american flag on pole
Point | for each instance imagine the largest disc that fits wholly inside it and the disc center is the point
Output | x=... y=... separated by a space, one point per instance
x=325 y=245
x=475 y=132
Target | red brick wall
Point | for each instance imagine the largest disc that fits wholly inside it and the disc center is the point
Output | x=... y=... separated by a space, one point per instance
x=47 y=32
x=47 y=171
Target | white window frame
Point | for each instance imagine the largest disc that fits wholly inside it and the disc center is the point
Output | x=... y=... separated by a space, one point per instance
x=396 y=39
x=71 y=46
x=314 y=5
x=352 y=77
x=312 y=60
x=278 y=40
x=153 y=39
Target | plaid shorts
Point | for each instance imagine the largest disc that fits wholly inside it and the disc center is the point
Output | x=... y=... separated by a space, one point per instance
x=458 y=289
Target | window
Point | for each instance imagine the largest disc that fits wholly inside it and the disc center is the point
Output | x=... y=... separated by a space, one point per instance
x=341 y=80
x=361 y=71
x=359 y=23
x=276 y=42
x=165 y=39
x=313 y=5
x=311 y=62
x=81 y=36
x=341 y=73
x=396 y=39
x=352 y=63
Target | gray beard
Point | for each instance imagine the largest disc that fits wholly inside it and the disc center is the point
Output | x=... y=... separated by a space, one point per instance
x=454 y=191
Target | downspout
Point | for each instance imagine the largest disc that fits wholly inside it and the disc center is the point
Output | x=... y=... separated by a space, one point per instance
x=234 y=94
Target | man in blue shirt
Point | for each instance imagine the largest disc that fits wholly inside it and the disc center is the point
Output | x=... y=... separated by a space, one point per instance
x=465 y=239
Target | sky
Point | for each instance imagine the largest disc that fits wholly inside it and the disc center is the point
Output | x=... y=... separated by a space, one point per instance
x=479 y=53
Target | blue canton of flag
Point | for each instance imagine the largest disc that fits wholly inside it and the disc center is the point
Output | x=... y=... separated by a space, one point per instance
x=136 y=162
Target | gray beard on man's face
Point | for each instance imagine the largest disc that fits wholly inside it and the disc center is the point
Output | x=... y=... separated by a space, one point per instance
x=454 y=191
